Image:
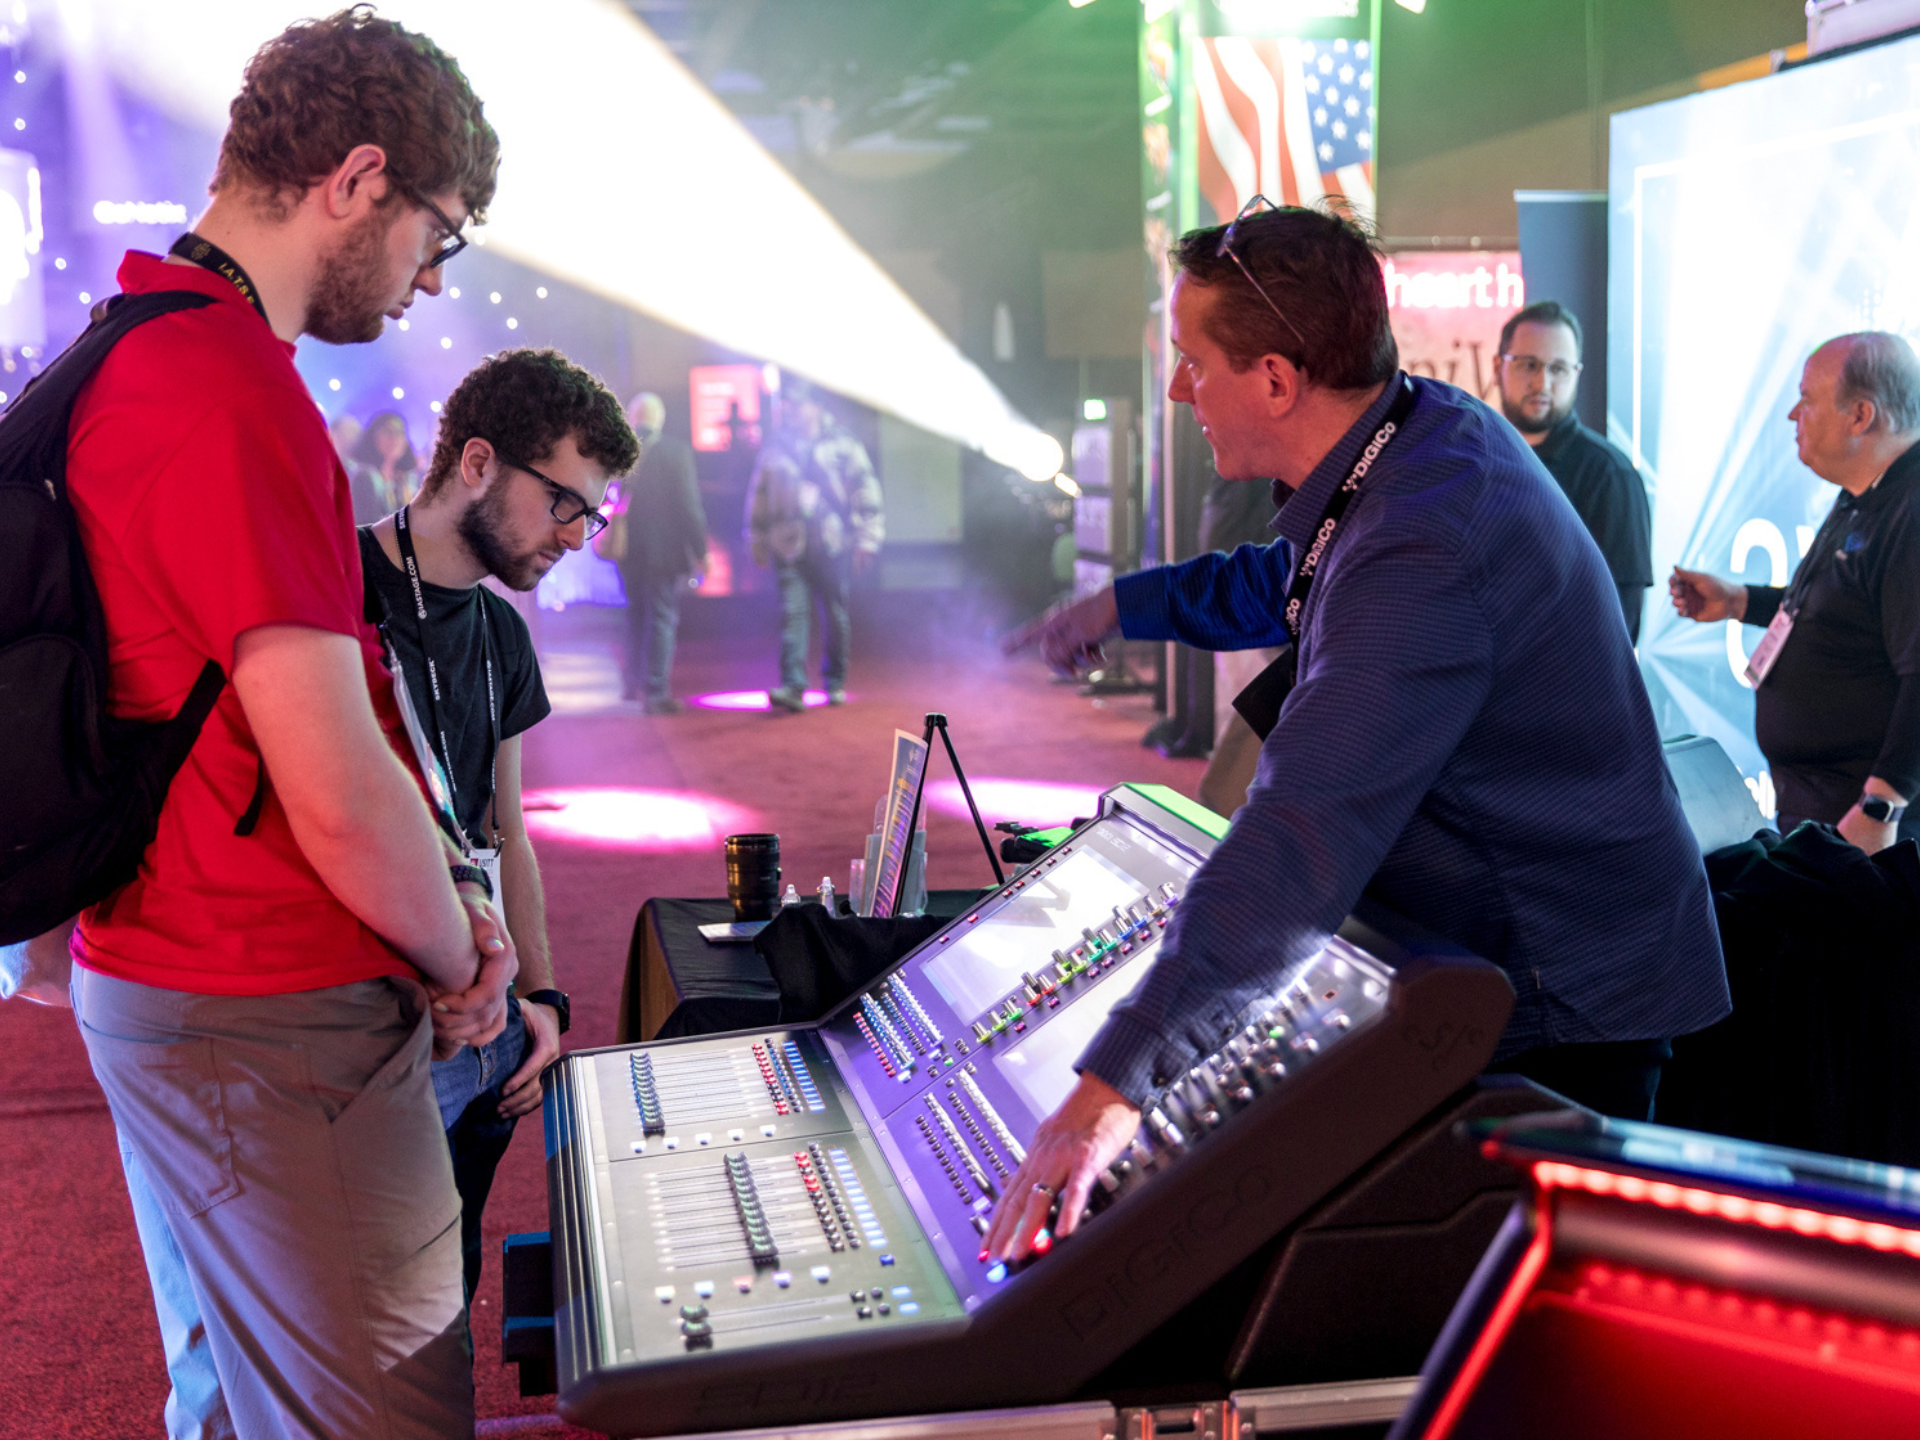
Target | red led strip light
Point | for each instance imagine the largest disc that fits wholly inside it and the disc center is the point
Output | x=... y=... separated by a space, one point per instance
x=1552 y=1174
x=1495 y=1330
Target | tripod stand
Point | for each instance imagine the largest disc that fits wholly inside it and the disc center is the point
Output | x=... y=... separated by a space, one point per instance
x=937 y=721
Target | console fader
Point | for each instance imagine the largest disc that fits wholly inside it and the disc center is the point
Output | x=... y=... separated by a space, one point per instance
x=784 y=1226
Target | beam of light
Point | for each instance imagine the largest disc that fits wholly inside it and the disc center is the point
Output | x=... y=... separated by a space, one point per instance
x=634 y=818
x=751 y=700
x=624 y=175
x=1041 y=803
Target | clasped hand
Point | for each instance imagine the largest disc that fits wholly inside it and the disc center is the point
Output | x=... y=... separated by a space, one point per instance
x=477 y=1014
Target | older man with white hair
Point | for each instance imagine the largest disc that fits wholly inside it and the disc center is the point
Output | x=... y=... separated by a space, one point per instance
x=664 y=544
x=1836 y=693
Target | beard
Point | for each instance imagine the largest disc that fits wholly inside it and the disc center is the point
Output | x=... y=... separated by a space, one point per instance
x=351 y=293
x=1526 y=424
x=481 y=526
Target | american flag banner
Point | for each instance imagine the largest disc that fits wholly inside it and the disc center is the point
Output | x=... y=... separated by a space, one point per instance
x=1288 y=119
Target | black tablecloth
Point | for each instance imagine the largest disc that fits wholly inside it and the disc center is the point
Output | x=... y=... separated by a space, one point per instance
x=678 y=983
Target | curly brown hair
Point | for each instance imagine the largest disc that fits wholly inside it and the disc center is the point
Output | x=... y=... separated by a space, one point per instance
x=321 y=87
x=524 y=403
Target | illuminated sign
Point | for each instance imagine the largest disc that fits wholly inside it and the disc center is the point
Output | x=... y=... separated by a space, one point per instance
x=23 y=312
x=726 y=399
x=1446 y=283
x=1446 y=309
x=139 y=212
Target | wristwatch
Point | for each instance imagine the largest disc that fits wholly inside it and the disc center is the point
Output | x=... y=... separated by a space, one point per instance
x=1881 y=810
x=558 y=1000
x=472 y=875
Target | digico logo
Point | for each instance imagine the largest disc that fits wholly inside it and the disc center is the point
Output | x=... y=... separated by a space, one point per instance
x=801 y=1390
x=1147 y=1263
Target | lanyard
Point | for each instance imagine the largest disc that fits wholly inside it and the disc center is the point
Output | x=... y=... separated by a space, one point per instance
x=405 y=538
x=209 y=256
x=1323 y=532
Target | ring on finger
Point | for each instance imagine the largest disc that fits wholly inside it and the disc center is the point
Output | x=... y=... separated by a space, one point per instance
x=1046 y=1190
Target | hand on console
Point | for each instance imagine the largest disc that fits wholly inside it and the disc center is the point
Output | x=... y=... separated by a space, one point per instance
x=1069 y=1150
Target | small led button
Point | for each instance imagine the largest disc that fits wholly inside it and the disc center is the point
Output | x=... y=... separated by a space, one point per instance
x=736 y=1136
x=767 y=1130
x=911 y=1307
x=672 y=1142
x=704 y=1289
x=743 y=1283
x=703 y=1139
x=822 y=1273
x=886 y=1259
x=783 y=1278
x=901 y=1292
x=639 y=1147
x=663 y=1293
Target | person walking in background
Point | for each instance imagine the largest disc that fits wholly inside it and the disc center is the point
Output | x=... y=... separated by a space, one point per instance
x=369 y=494
x=814 y=514
x=1836 y=679
x=659 y=540
x=1539 y=374
x=387 y=450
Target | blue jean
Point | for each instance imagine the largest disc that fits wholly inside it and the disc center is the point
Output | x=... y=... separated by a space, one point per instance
x=653 y=621
x=813 y=578
x=467 y=1089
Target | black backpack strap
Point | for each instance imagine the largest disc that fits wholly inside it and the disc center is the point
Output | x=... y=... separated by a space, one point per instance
x=244 y=825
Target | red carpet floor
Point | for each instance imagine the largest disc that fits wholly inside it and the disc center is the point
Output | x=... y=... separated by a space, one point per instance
x=76 y=1323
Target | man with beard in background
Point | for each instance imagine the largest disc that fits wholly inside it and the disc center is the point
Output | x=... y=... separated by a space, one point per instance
x=527 y=446
x=1539 y=374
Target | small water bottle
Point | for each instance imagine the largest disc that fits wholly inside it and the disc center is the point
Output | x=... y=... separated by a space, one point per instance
x=792 y=897
x=826 y=894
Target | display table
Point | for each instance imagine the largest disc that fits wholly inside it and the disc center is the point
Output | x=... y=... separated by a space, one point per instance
x=669 y=964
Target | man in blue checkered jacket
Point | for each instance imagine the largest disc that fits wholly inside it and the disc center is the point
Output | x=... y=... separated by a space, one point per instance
x=1468 y=739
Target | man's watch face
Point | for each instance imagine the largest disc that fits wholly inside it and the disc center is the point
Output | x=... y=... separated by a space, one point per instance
x=1879 y=809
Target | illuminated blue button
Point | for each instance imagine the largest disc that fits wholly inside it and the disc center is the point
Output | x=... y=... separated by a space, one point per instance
x=822 y=1273
x=900 y=1292
x=996 y=1274
x=886 y=1259
x=783 y=1278
x=912 y=1307
x=704 y=1289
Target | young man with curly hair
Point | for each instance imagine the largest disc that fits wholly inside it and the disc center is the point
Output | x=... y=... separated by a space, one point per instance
x=261 y=1002
x=527 y=446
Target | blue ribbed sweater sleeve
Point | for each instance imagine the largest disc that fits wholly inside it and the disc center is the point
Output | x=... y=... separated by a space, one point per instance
x=1216 y=601
x=1380 y=706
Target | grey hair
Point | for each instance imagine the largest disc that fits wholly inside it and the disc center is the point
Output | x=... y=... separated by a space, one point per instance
x=1881 y=368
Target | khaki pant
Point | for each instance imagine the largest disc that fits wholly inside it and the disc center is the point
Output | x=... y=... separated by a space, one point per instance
x=294 y=1146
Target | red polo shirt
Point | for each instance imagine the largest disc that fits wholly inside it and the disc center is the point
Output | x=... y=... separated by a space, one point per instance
x=210 y=502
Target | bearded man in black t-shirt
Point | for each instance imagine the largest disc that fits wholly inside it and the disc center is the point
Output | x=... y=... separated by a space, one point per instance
x=528 y=444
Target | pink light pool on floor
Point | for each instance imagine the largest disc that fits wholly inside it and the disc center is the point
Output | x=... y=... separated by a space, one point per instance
x=1041 y=803
x=635 y=818
x=750 y=700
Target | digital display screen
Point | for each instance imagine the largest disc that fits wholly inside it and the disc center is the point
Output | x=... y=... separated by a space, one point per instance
x=1040 y=1067
x=1748 y=224
x=981 y=966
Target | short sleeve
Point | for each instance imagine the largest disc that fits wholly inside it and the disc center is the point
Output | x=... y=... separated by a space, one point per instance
x=242 y=527
x=525 y=703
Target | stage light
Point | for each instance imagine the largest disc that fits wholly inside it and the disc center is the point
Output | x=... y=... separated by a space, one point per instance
x=635 y=818
x=750 y=260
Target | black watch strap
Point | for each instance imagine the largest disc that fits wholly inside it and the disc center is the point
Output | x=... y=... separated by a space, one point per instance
x=1881 y=810
x=471 y=875
x=558 y=1000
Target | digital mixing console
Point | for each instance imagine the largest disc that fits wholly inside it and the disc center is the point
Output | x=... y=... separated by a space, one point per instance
x=780 y=1227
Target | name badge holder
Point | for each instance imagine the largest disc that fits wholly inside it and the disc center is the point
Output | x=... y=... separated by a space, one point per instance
x=1768 y=650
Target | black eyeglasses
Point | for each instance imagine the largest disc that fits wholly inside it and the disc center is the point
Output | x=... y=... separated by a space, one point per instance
x=568 y=505
x=1225 y=248
x=452 y=242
